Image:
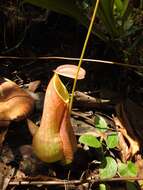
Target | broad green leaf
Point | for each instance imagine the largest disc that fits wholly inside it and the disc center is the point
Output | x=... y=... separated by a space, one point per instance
x=90 y=140
x=127 y=170
x=106 y=13
x=66 y=7
x=119 y=5
x=101 y=124
x=125 y=6
x=107 y=7
x=108 y=168
x=62 y=6
x=112 y=140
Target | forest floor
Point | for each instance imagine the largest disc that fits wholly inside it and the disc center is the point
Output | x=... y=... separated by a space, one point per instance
x=113 y=93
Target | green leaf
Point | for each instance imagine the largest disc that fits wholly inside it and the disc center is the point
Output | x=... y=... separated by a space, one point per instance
x=125 y=6
x=112 y=140
x=131 y=186
x=106 y=14
x=102 y=186
x=119 y=4
x=66 y=7
x=101 y=124
x=62 y=6
x=90 y=140
x=108 y=168
x=127 y=170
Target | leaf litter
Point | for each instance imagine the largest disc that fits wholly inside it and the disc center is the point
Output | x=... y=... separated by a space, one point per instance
x=105 y=142
x=17 y=153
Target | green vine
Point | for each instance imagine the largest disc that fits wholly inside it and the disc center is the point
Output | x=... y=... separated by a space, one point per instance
x=83 y=51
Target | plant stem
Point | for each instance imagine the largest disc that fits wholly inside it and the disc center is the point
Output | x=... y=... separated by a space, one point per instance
x=83 y=51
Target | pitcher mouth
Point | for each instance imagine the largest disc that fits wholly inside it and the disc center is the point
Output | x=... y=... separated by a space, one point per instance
x=60 y=89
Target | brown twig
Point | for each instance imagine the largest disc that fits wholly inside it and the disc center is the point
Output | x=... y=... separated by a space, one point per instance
x=83 y=100
x=73 y=59
x=73 y=182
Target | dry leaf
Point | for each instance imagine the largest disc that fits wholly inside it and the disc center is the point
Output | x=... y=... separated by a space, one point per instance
x=122 y=115
x=6 y=173
x=139 y=164
x=15 y=103
x=125 y=151
x=34 y=85
x=70 y=71
x=3 y=133
x=133 y=144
